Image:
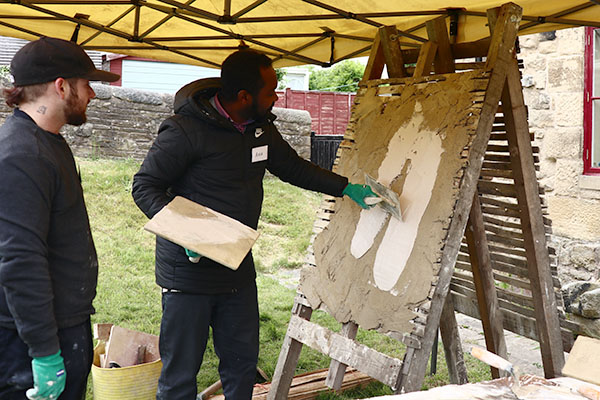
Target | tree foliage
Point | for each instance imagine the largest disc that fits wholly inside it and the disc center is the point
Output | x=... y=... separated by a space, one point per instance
x=342 y=77
x=280 y=73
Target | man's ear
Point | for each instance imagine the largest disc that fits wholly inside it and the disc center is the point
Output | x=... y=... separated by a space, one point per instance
x=60 y=87
x=244 y=97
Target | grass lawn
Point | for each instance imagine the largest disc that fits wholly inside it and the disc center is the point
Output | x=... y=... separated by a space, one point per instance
x=127 y=295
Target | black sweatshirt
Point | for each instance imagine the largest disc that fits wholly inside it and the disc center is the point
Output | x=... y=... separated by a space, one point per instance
x=48 y=263
x=201 y=156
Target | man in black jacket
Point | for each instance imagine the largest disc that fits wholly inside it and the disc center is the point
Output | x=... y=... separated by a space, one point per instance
x=214 y=151
x=48 y=265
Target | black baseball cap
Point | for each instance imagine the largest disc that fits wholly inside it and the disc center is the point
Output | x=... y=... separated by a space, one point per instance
x=47 y=58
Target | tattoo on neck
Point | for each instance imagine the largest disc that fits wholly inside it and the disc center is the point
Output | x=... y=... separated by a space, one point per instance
x=42 y=110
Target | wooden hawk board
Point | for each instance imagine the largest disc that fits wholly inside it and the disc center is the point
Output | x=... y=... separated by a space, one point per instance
x=205 y=231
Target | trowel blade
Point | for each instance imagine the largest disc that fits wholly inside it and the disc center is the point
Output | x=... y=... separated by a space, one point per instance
x=391 y=201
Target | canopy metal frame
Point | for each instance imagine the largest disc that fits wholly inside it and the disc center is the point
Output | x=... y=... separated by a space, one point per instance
x=223 y=27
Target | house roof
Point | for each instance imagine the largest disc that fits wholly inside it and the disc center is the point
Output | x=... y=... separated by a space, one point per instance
x=9 y=46
x=292 y=32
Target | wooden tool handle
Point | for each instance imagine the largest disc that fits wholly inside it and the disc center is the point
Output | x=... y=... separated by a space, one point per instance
x=491 y=359
x=209 y=391
x=371 y=200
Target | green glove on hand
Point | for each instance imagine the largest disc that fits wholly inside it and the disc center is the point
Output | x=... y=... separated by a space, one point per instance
x=193 y=256
x=358 y=194
x=49 y=377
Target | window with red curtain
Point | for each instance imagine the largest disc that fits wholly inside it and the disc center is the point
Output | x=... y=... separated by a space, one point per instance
x=591 y=103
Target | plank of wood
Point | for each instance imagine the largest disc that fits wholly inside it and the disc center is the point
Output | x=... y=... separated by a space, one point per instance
x=504 y=203
x=514 y=322
x=438 y=33
x=337 y=370
x=485 y=288
x=378 y=365
x=504 y=34
x=392 y=54
x=309 y=385
x=496 y=173
x=288 y=355
x=583 y=360
x=457 y=370
x=122 y=347
x=513 y=259
x=505 y=149
x=507 y=299
x=501 y=248
x=507 y=233
x=426 y=57
x=527 y=191
x=499 y=211
x=505 y=222
x=376 y=62
x=205 y=231
x=496 y=189
x=102 y=331
x=210 y=391
x=478 y=48
x=513 y=281
x=502 y=136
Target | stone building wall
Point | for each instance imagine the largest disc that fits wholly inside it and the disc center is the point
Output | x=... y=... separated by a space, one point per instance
x=122 y=123
x=553 y=80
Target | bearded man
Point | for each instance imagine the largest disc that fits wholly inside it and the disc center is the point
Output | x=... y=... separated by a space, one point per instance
x=215 y=151
x=48 y=263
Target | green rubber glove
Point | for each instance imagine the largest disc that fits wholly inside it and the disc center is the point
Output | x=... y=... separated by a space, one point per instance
x=49 y=377
x=193 y=256
x=358 y=194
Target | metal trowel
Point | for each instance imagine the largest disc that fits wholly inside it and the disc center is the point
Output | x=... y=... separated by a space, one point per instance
x=388 y=199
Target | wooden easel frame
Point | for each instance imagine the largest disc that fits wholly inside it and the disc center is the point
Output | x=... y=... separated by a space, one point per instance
x=504 y=88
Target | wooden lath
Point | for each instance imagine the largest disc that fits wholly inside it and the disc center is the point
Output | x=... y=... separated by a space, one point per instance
x=508 y=258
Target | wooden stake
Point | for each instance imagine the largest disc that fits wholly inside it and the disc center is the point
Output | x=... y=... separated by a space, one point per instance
x=438 y=33
x=337 y=370
x=425 y=60
x=485 y=288
x=527 y=194
x=503 y=40
x=392 y=54
x=457 y=370
x=289 y=355
x=376 y=62
x=527 y=191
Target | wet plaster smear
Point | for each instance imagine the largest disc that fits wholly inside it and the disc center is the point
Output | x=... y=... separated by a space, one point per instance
x=372 y=268
x=420 y=152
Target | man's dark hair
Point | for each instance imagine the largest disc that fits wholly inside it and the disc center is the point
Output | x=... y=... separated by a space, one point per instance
x=241 y=71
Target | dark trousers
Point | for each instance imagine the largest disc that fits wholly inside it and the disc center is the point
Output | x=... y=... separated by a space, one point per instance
x=15 y=364
x=184 y=333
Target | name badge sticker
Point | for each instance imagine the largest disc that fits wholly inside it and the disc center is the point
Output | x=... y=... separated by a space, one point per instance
x=260 y=153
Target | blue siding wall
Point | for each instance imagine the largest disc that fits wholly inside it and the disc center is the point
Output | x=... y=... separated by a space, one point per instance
x=161 y=76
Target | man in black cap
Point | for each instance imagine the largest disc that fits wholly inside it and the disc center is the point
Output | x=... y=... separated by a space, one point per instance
x=48 y=263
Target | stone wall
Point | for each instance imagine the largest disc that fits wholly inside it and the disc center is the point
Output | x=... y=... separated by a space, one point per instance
x=122 y=123
x=553 y=89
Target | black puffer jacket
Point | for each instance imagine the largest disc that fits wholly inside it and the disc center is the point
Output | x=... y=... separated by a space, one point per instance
x=200 y=155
